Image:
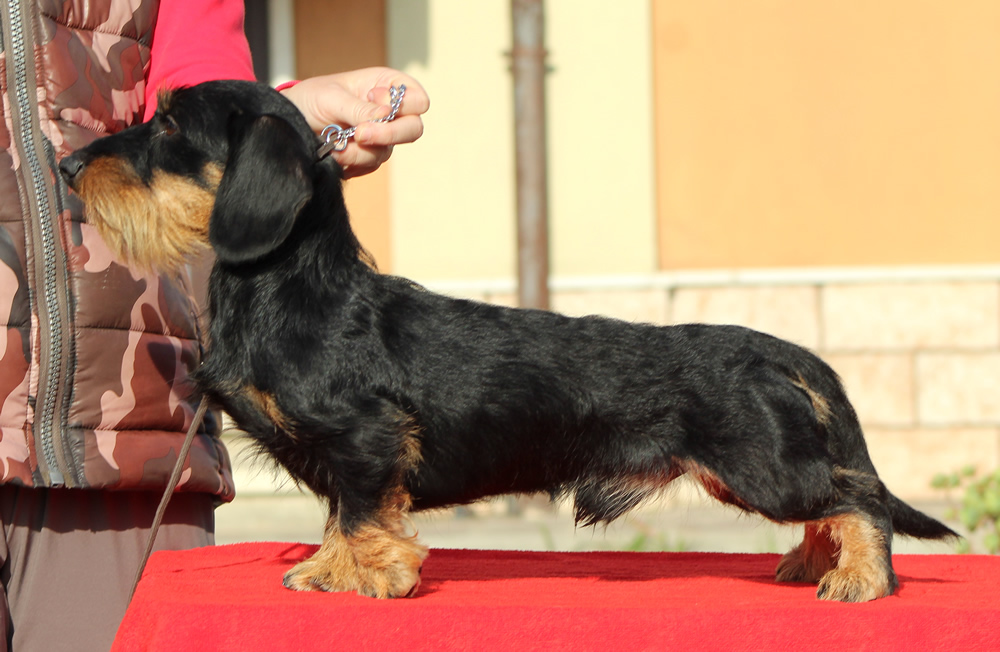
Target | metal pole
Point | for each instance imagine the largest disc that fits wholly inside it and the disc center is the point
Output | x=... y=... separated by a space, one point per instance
x=528 y=66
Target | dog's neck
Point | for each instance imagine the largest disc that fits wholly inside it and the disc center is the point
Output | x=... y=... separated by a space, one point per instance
x=324 y=227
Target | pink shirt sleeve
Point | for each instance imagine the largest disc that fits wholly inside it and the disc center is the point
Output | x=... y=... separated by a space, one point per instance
x=196 y=41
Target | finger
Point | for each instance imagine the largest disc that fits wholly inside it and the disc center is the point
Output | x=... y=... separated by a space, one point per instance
x=404 y=129
x=415 y=99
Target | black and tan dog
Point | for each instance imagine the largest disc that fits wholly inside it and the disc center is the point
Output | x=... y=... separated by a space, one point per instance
x=384 y=398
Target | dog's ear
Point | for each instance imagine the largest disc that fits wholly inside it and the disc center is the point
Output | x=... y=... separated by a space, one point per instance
x=266 y=183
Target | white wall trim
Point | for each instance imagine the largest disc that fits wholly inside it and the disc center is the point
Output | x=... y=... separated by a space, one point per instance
x=737 y=278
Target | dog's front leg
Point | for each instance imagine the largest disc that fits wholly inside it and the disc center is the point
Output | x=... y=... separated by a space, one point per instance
x=378 y=557
x=358 y=456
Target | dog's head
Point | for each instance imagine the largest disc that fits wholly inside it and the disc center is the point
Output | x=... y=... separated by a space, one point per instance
x=225 y=163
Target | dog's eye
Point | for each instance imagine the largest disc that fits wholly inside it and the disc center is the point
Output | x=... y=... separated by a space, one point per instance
x=168 y=126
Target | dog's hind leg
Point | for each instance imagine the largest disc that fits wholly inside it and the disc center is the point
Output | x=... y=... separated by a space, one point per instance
x=378 y=558
x=848 y=532
x=849 y=554
x=864 y=567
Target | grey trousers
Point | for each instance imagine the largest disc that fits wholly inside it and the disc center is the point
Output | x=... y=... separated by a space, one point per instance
x=68 y=557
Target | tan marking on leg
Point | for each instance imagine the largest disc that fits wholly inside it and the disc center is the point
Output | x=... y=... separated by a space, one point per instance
x=410 y=453
x=156 y=226
x=267 y=404
x=378 y=559
x=864 y=571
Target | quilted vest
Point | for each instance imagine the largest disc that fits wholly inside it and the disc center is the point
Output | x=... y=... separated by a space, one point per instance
x=94 y=356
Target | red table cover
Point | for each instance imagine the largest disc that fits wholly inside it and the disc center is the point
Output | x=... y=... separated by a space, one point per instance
x=231 y=598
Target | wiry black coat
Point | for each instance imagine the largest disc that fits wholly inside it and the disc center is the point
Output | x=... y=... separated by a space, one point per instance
x=504 y=400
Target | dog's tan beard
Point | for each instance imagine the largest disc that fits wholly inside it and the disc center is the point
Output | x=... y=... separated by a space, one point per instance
x=158 y=226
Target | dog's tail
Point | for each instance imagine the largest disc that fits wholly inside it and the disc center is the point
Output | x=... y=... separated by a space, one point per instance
x=824 y=388
x=913 y=523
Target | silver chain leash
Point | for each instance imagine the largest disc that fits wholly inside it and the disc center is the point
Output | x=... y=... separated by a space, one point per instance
x=335 y=137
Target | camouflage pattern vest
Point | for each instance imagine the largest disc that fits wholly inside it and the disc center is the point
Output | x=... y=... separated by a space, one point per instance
x=94 y=356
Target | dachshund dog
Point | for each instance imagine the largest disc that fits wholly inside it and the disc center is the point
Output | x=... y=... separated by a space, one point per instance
x=384 y=398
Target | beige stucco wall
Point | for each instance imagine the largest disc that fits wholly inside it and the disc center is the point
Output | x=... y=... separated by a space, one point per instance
x=452 y=210
x=827 y=133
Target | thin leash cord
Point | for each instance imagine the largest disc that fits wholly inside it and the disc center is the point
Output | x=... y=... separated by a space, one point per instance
x=175 y=477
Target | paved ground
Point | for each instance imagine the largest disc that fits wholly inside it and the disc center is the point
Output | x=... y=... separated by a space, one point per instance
x=270 y=509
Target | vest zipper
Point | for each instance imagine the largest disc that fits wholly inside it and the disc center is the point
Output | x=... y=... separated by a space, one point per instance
x=48 y=291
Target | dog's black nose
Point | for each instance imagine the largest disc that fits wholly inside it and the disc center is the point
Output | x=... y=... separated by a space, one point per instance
x=70 y=167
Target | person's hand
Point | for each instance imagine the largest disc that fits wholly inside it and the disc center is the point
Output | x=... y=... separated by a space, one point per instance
x=353 y=99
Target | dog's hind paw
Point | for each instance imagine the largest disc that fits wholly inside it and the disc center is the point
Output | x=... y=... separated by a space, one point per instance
x=844 y=586
x=810 y=560
x=792 y=570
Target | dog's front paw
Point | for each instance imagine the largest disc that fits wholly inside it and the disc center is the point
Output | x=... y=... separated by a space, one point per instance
x=399 y=580
x=374 y=561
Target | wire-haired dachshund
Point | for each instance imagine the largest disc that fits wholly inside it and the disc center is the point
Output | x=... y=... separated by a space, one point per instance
x=384 y=398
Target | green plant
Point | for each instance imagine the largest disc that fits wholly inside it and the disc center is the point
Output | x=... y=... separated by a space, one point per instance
x=648 y=541
x=979 y=508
